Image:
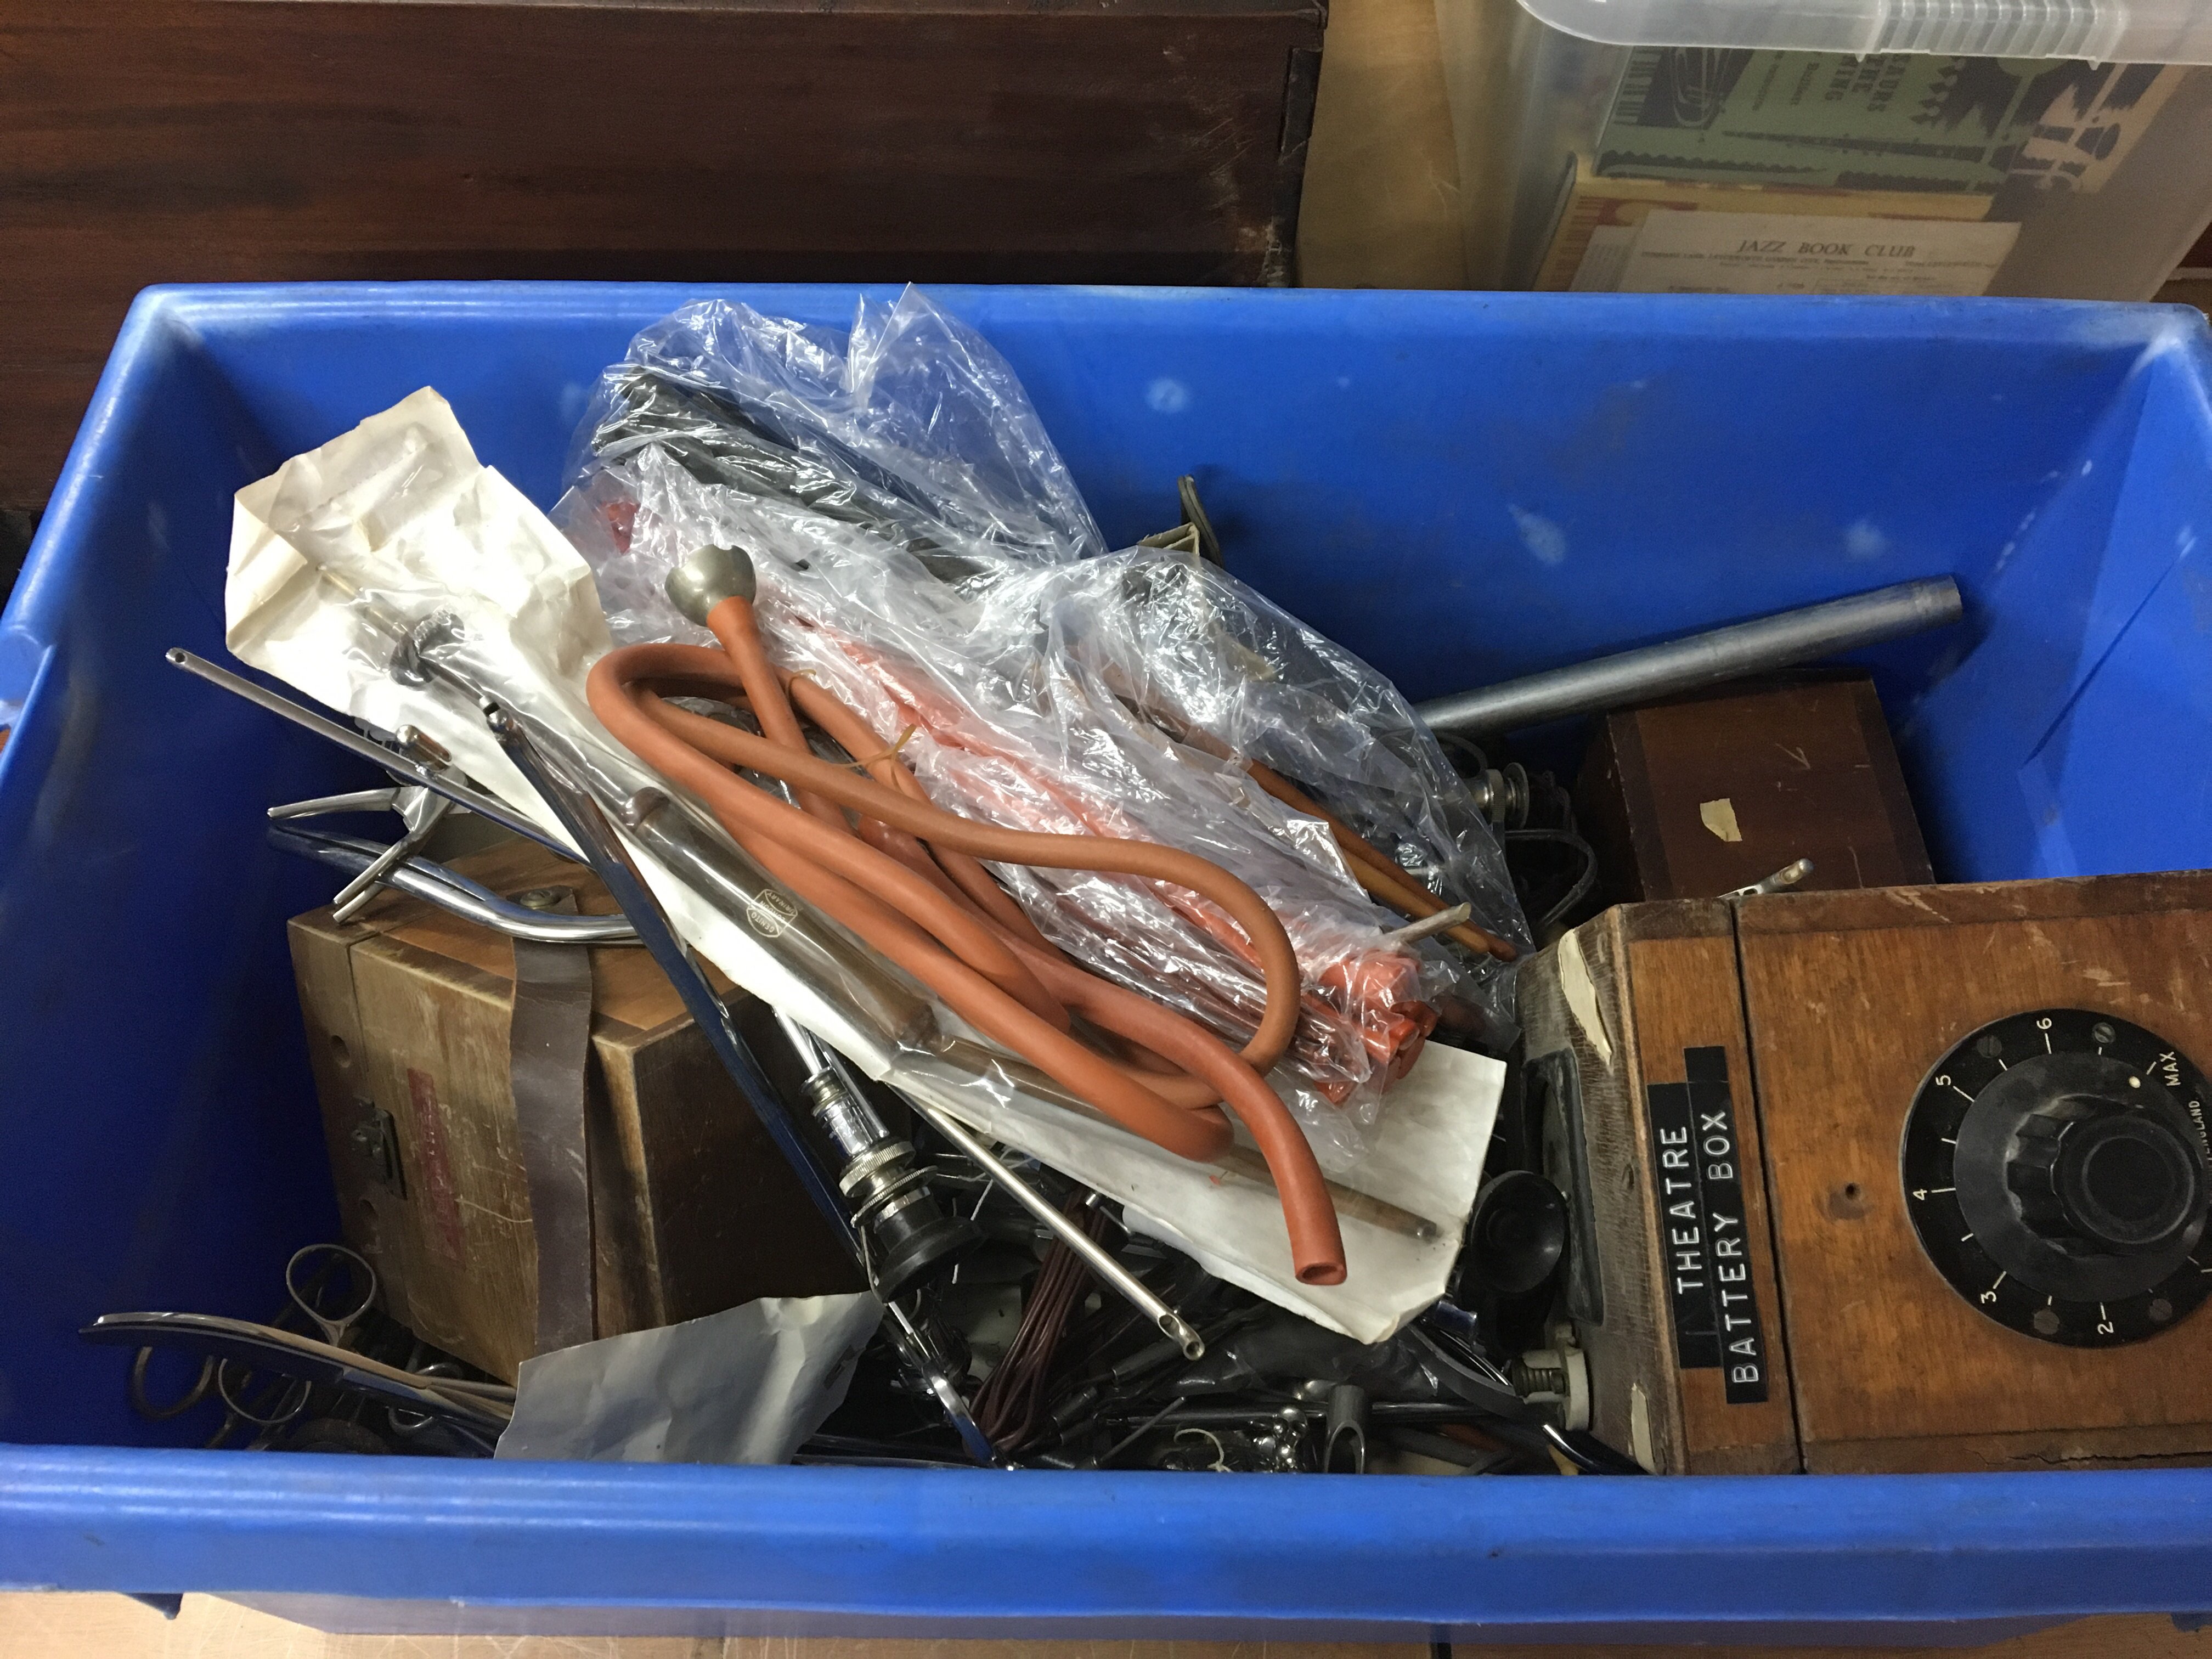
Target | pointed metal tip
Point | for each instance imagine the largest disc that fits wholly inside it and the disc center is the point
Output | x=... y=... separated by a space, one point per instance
x=1180 y=1333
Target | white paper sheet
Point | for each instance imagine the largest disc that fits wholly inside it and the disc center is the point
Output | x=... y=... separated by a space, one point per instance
x=1426 y=1156
x=401 y=508
x=747 y=1385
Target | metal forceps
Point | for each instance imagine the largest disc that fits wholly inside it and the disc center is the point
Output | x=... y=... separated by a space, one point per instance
x=335 y=1323
x=308 y=1288
x=432 y=788
x=309 y=1299
x=419 y=810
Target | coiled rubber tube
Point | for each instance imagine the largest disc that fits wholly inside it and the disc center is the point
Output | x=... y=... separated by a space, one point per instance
x=904 y=875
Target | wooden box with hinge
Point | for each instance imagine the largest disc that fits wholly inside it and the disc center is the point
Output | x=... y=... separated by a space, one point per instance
x=1700 y=795
x=1637 y=1064
x=691 y=1209
x=1960 y=1133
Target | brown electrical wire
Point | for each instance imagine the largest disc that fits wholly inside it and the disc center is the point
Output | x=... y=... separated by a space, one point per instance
x=1375 y=872
x=1011 y=1406
x=908 y=879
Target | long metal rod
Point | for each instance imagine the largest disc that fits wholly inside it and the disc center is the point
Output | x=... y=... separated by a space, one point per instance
x=1127 y=1284
x=413 y=770
x=1783 y=640
x=581 y=816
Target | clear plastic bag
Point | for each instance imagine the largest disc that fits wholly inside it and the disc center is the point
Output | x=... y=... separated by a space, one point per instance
x=922 y=552
x=397 y=579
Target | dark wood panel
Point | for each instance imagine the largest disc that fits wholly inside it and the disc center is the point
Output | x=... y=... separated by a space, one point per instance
x=1574 y=1006
x=1145 y=141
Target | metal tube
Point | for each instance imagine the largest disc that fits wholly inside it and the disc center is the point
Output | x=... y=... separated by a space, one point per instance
x=1784 y=641
x=413 y=770
x=433 y=883
x=913 y=1239
x=840 y=1109
x=819 y=955
x=581 y=815
x=1130 y=1287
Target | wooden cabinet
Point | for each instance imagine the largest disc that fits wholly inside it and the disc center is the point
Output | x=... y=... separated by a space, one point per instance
x=712 y=140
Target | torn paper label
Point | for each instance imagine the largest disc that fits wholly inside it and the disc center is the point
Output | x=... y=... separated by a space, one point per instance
x=1581 y=992
x=1719 y=816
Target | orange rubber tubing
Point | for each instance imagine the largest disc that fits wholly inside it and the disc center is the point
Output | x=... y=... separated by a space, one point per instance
x=909 y=882
x=728 y=744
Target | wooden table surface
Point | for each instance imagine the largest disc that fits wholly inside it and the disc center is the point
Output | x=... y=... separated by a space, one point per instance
x=116 y=1627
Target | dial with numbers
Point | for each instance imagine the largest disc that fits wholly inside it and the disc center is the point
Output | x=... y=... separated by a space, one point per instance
x=2057 y=1170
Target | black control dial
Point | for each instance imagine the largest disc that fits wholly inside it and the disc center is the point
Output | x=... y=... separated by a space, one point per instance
x=2057 y=1170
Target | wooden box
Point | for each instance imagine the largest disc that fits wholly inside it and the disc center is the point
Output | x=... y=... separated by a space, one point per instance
x=1633 y=1025
x=693 y=1209
x=1822 y=1019
x=1696 y=797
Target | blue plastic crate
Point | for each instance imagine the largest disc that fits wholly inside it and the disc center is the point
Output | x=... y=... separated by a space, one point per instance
x=1461 y=487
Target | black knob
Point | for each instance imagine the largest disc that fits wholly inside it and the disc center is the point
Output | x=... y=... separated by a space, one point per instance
x=2095 y=1172
x=2058 y=1172
x=2129 y=1184
x=919 y=1242
x=1517 y=1233
x=2079 y=1177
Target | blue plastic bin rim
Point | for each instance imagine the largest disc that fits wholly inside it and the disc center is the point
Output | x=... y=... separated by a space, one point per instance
x=29 y=619
x=1122 y=1549
x=1387 y=1552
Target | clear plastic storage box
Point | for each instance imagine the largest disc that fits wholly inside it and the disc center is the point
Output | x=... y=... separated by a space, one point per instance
x=2054 y=148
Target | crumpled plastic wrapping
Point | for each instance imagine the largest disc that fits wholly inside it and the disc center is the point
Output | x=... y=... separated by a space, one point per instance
x=922 y=551
x=396 y=523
